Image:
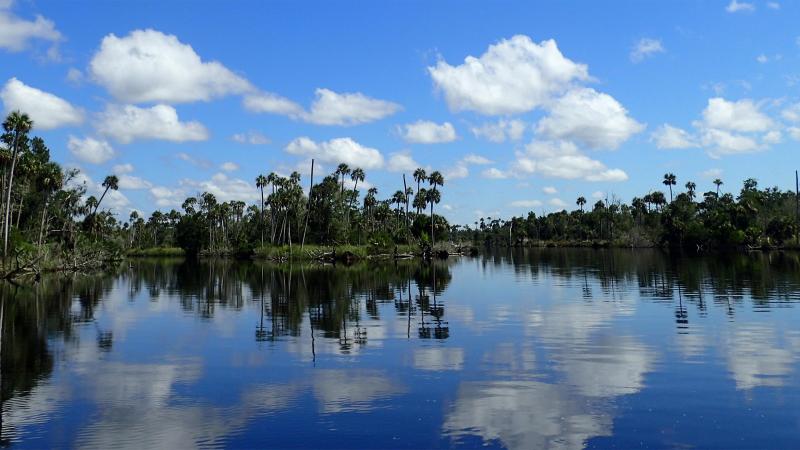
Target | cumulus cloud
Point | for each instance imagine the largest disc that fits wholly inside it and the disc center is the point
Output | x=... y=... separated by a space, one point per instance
x=736 y=6
x=229 y=166
x=150 y=66
x=165 y=197
x=329 y=107
x=426 y=132
x=562 y=159
x=589 y=117
x=128 y=123
x=513 y=76
x=722 y=142
x=90 y=150
x=340 y=150
x=47 y=110
x=645 y=48
x=494 y=173
x=557 y=202
x=526 y=203
x=251 y=137
x=500 y=131
x=476 y=159
x=743 y=115
x=128 y=181
x=17 y=33
x=669 y=137
x=460 y=170
x=773 y=5
x=223 y=187
x=401 y=162
x=549 y=190
x=266 y=102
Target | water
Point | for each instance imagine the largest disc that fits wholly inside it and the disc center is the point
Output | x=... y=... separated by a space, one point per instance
x=538 y=349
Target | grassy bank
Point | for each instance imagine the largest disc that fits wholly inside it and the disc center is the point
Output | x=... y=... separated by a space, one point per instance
x=156 y=252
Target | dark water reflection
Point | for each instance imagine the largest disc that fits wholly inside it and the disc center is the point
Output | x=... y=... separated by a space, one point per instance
x=537 y=349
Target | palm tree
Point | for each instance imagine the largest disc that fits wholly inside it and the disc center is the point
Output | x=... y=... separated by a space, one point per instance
x=690 y=189
x=17 y=125
x=357 y=175
x=580 y=202
x=419 y=177
x=432 y=196
x=343 y=170
x=718 y=183
x=436 y=179
x=261 y=183
x=669 y=181
x=111 y=182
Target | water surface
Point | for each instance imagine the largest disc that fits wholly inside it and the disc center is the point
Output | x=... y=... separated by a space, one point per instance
x=537 y=349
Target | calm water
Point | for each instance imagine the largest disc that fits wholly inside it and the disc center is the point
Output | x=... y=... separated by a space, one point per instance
x=540 y=349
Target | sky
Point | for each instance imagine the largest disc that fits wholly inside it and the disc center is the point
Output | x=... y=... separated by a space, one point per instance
x=520 y=105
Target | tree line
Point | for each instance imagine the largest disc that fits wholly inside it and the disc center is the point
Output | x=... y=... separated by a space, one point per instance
x=753 y=217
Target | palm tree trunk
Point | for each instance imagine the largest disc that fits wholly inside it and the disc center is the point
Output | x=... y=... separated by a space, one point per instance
x=41 y=225
x=262 y=216
x=8 y=194
x=433 y=239
x=100 y=201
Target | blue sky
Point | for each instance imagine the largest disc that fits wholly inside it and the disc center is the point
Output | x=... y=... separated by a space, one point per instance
x=522 y=105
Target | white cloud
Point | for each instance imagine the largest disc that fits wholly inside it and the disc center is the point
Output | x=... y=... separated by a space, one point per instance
x=120 y=169
x=526 y=203
x=229 y=166
x=165 y=197
x=150 y=66
x=460 y=170
x=598 y=195
x=550 y=190
x=592 y=118
x=645 y=48
x=266 y=102
x=711 y=173
x=743 y=115
x=669 y=137
x=251 y=137
x=557 y=202
x=476 y=159
x=401 y=162
x=721 y=142
x=426 y=132
x=792 y=113
x=513 y=76
x=128 y=123
x=331 y=108
x=74 y=76
x=199 y=162
x=735 y=6
x=772 y=137
x=47 y=110
x=762 y=58
x=500 y=131
x=90 y=150
x=224 y=188
x=794 y=132
x=16 y=33
x=773 y=5
x=494 y=173
x=340 y=150
x=562 y=159
x=133 y=182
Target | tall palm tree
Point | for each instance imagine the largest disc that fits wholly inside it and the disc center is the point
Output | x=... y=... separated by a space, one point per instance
x=111 y=182
x=669 y=181
x=432 y=196
x=261 y=183
x=690 y=189
x=356 y=175
x=718 y=183
x=419 y=177
x=343 y=170
x=17 y=126
x=436 y=179
x=580 y=202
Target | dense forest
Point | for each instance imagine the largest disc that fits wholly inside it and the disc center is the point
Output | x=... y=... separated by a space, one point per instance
x=47 y=218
